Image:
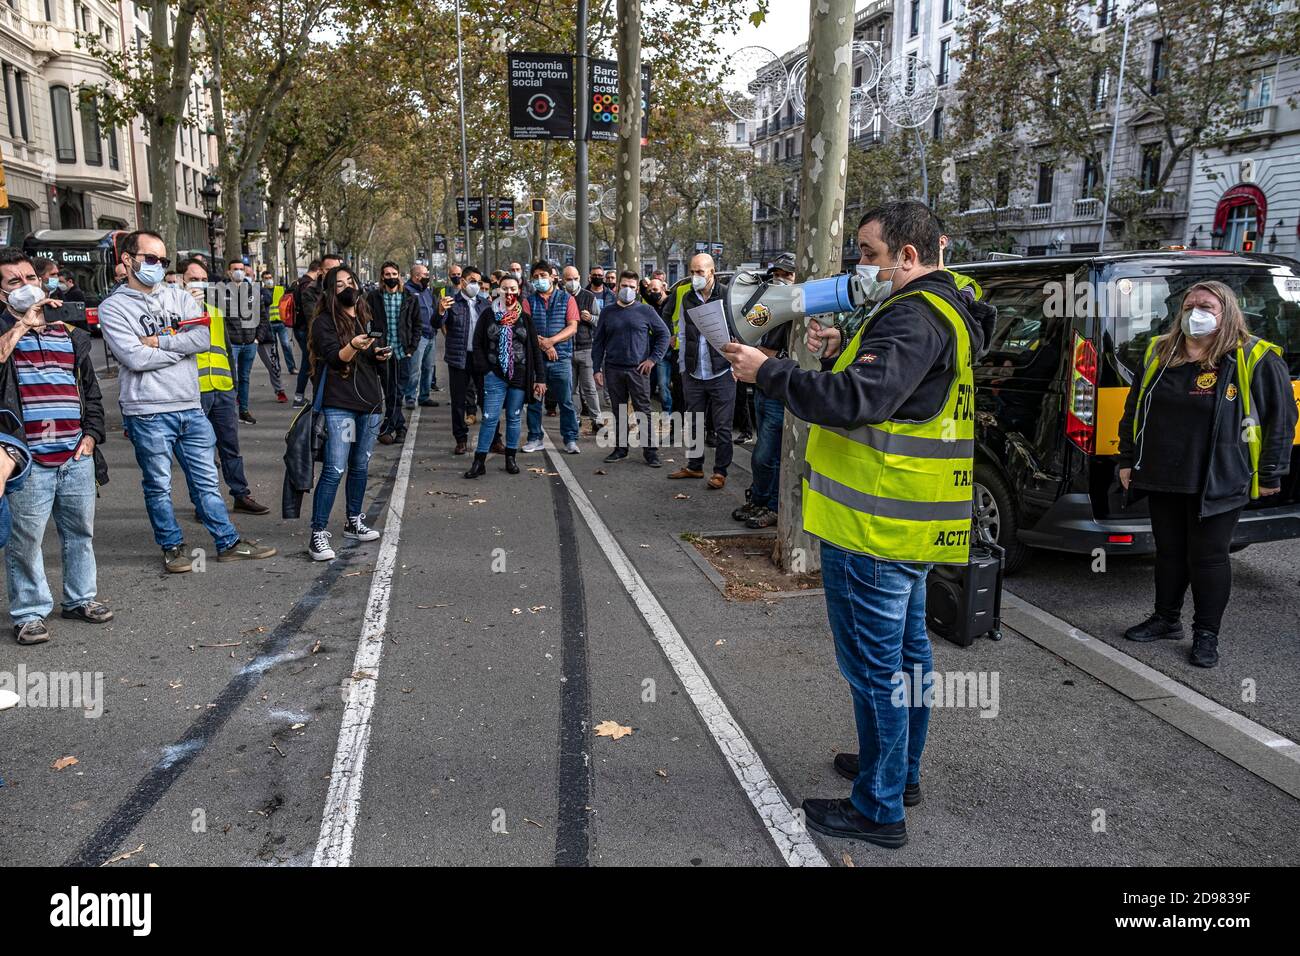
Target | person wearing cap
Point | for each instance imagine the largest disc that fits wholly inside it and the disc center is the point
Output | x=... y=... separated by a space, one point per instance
x=765 y=464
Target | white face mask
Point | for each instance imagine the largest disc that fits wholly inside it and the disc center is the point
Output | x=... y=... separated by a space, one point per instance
x=626 y=295
x=1199 y=322
x=699 y=283
x=876 y=291
x=471 y=289
x=24 y=297
x=572 y=286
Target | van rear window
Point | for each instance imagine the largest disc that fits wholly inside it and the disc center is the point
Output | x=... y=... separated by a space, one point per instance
x=1147 y=303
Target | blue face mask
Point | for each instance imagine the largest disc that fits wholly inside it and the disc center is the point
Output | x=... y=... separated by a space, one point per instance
x=149 y=275
x=52 y=283
x=542 y=284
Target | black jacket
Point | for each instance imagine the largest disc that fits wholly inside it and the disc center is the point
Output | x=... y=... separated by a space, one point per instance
x=92 y=399
x=907 y=377
x=299 y=466
x=409 y=325
x=486 y=358
x=688 y=336
x=1227 y=479
x=455 y=327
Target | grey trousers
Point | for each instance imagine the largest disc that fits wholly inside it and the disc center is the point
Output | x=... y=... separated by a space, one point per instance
x=271 y=359
x=584 y=381
x=625 y=383
x=716 y=399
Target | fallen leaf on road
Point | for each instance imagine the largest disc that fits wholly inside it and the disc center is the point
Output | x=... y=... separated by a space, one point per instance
x=362 y=675
x=538 y=471
x=719 y=642
x=515 y=610
x=681 y=497
x=539 y=607
x=315 y=647
x=534 y=823
x=478 y=501
x=175 y=684
x=123 y=856
x=847 y=860
x=600 y=471
x=643 y=546
x=661 y=773
x=63 y=762
x=297 y=726
x=612 y=728
x=260 y=629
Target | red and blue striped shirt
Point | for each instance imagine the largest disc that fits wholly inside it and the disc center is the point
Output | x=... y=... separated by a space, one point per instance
x=46 y=366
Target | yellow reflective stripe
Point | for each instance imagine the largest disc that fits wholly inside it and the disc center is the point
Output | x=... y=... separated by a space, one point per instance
x=878 y=506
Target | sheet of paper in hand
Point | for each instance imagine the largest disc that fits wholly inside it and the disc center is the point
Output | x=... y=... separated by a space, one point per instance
x=711 y=322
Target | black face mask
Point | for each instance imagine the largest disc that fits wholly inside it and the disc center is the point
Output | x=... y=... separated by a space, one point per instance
x=348 y=297
x=424 y=283
x=597 y=281
x=454 y=280
x=391 y=282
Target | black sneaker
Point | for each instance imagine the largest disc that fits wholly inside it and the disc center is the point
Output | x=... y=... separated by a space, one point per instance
x=91 y=612
x=247 y=418
x=840 y=818
x=1155 y=628
x=318 y=546
x=31 y=632
x=429 y=403
x=617 y=454
x=652 y=460
x=1205 y=649
x=846 y=765
x=745 y=511
x=357 y=530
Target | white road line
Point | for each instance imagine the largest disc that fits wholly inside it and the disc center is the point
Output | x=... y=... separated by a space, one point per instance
x=785 y=829
x=338 y=823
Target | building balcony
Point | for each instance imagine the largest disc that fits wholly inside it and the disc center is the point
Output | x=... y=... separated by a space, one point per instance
x=1089 y=208
x=1040 y=212
x=1150 y=203
x=1257 y=121
x=83 y=176
x=982 y=219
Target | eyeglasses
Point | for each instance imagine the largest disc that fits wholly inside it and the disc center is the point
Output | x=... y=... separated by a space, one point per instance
x=155 y=260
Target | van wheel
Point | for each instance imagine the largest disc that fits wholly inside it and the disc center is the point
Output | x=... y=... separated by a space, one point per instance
x=994 y=513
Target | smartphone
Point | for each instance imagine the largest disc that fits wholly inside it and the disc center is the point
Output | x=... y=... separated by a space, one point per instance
x=372 y=334
x=73 y=313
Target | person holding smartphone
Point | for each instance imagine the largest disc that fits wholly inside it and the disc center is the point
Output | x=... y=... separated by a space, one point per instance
x=346 y=358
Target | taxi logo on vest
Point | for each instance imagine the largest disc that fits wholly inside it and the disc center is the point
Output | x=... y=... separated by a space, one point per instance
x=1207 y=379
x=1231 y=393
x=759 y=316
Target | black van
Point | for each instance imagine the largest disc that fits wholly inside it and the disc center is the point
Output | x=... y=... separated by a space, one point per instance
x=87 y=255
x=1071 y=334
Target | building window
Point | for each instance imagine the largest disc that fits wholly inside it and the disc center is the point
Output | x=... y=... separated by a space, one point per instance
x=915 y=19
x=1002 y=197
x=936 y=129
x=1150 y=174
x=16 y=103
x=1105 y=13
x=1091 y=184
x=945 y=47
x=911 y=73
x=1100 y=89
x=1157 y=65
x=91 y=135
x=963 y=190
x=947 y=11
x=1045 y=176
x=1054 y=90
x=1259 y=90
x=114 y=158
x=65 y=144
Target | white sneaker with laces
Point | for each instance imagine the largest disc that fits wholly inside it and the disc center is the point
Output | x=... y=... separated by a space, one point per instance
x=572 y=448
x=357 y=530
x=533 y=444
x=319 y=546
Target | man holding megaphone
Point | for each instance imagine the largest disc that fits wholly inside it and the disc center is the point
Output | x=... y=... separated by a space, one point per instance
x=887 y=490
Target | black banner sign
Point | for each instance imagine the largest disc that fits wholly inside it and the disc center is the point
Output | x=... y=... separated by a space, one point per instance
x=603 y=84
x=541 y=96
x=475 y=213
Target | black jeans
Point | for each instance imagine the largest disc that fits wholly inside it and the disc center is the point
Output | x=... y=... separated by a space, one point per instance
x=1193 y=551
x=466 y=391
x=394 y=421
x=713 y=398
x=300 y=333
x=625 y=383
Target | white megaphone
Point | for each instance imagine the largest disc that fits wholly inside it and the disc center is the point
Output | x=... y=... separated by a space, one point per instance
x=756 y=305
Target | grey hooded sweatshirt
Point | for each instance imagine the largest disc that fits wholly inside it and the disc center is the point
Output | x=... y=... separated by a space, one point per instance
x=162 y=379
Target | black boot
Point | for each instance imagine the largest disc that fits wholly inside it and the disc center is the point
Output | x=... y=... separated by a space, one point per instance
x=1205 y=648
x=1155 y=628
x=477 y=470
x=511 y=467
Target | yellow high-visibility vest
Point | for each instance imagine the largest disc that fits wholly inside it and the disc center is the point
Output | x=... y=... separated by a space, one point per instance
x=276 y=295
x=1248 y=356
x=214 y=364
x=899 y=491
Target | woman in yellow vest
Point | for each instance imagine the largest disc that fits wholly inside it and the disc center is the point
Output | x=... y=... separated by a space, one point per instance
x=887 y=489
x=1208 y=425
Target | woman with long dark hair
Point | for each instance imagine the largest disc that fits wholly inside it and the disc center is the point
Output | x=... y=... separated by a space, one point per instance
x=345 y=352
x=507 y=354
x=1208 y=425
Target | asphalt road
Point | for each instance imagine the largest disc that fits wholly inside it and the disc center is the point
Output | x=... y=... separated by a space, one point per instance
x=509 y=636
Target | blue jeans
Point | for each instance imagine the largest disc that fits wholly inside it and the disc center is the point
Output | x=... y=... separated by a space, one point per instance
x=219 y=406
x=877 y=614
x=559 y=383
x=348 y=447
x=244 y=355
x=189 y=436
x=424 y=369
x=68 y=493
x=765 y=463
x=284 y=336
x=664 y=373
x=495 y=394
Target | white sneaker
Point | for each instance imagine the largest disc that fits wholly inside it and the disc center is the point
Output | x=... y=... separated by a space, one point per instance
x=319 y=546
x=357 y=530
x=8 y=699
x=572 y=448
x=533 y=444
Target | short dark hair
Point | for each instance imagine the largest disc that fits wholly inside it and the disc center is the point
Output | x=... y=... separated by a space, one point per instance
x=330 y=255
x=390 y=264
x=313 y=265
x=41 y=264
x=184 y=264
x=465 y=271
x=629 y=274
x=233 y=262
x=131 y=244
x=907 y=223
x=13 y=256
x=541 y=265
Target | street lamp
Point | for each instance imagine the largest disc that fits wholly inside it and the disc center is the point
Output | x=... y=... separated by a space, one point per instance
x=284 y=244
x=210 y=193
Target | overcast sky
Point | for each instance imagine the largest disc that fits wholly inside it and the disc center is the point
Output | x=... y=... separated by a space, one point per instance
x=784 y=29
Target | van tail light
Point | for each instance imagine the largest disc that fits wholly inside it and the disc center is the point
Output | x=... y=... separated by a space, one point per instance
x=1081 y=413
x=92 y=315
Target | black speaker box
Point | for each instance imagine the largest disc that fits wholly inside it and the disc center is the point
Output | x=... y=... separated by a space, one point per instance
x=964 y=601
